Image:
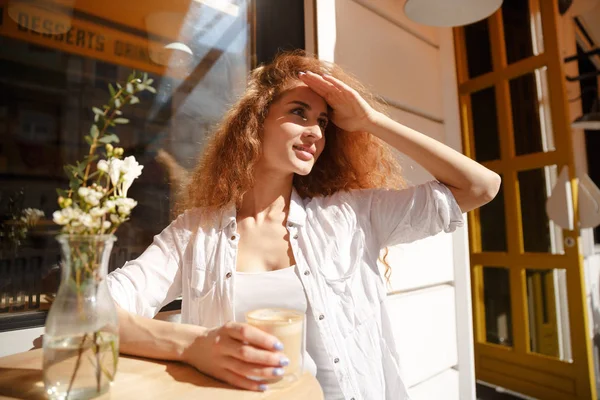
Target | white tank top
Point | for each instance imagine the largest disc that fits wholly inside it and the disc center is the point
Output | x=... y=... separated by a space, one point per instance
x=283 y=289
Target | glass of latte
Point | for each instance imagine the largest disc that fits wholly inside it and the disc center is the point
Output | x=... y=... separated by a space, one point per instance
x=289 y=327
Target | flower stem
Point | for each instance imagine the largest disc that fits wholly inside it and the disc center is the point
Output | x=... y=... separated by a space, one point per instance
x=77 y=364
x=98 y=365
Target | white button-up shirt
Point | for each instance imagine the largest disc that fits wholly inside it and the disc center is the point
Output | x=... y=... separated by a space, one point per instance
x=336 y=241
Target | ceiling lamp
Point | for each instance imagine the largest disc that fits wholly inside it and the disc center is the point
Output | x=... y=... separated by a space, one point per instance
x=450 y=13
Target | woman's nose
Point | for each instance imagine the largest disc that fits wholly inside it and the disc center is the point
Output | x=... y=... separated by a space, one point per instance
x=315 y=131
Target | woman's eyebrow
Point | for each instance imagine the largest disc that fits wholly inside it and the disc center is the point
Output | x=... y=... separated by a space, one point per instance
x=306 y=105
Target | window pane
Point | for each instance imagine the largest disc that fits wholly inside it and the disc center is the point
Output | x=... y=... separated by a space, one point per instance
x=479 y=53
x=522 y=39
x=492 y=222
x=547 y=305
x=539 y=233
x=531 y=113
x=498 y=316
x=485 y=125
x=48 y=86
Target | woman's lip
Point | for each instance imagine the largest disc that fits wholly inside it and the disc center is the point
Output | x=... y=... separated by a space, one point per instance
x=303 y=154
x=305 y=149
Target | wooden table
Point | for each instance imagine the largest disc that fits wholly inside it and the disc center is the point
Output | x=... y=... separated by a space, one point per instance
x=141 y=378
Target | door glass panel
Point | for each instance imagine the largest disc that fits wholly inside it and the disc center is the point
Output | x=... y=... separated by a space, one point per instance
x=492 y=222
x=531 y=113
x=522 y=33
x=540 y=234
x=498 y=316
x=198 y=57
x=485 y=125
x=549 y=332
x=477 y=43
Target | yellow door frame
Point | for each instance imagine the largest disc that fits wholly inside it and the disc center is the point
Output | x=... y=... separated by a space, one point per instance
x=518 y=368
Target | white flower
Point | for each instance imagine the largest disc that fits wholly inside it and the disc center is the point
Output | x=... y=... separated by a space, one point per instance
x=110 y=205
x=106 y=224
x=66 y=215
x=126 y=202
x=86 y=220
x=115 y=219
x=83 y=191
x=125 y=205
x=131 y=170
x=31 y=216
x=102 y=166
x=97 y=212
x=114 y=170
x=59 y=218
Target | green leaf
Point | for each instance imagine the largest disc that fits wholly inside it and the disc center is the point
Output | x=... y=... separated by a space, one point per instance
x=151 y=89
x=145 y=77
x=94 y=174
x=69 y=170
x=94 y=131
x=111 y=89
x=89 y=159
x=62 y=192
x=109 y=138
x=74 y=184
x=119 y=86
x=88 y=139
x=121 y=121
x=81 y=167
x=134 y=100
x=97 y=111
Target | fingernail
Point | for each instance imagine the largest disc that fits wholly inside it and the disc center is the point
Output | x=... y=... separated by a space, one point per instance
x=278 y=346
x=284 y=362
x=262 y=387
x=301 y=73
x=278 y=371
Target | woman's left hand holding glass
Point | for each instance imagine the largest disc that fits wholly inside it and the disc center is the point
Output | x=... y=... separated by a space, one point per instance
x=350 y=111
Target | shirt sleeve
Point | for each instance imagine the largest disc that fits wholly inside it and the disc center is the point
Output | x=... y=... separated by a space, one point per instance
x=403 y=216
x=143 y=286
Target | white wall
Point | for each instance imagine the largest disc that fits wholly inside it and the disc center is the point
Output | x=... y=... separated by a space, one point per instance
x=13 y=342
x=412 y=68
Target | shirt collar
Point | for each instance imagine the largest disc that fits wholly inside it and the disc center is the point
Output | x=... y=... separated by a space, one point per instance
x=296 y=215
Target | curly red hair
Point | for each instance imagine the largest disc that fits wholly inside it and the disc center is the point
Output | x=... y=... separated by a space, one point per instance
x=226 y=170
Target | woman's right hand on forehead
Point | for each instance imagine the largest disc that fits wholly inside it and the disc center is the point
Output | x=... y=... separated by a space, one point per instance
x=235 y=351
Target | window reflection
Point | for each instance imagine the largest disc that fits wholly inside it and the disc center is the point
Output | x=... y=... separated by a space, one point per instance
x=51 y=76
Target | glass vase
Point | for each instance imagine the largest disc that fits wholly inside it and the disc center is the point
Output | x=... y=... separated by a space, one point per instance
x=81 y=338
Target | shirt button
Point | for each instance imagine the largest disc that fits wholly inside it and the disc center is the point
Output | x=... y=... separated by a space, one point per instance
x=228 y=275
x=336 y=360
x=296 y=236
x=306 y=273
x=321 y=317
x=290 y=224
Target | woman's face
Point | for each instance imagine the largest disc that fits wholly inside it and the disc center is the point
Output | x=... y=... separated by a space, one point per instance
x=294 y=131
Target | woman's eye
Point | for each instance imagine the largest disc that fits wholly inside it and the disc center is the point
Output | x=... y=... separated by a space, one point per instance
x=323 y=123
x=299 y=112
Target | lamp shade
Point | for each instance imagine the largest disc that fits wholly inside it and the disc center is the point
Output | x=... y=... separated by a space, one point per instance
x=450 y=12
x=589 y=121
x=35 y=15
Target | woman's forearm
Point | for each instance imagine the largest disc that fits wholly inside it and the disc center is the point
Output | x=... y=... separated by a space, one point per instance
x=471 y=183
x=152 y=338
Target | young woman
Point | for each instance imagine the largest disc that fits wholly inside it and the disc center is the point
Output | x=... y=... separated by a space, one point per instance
x=290 y=206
